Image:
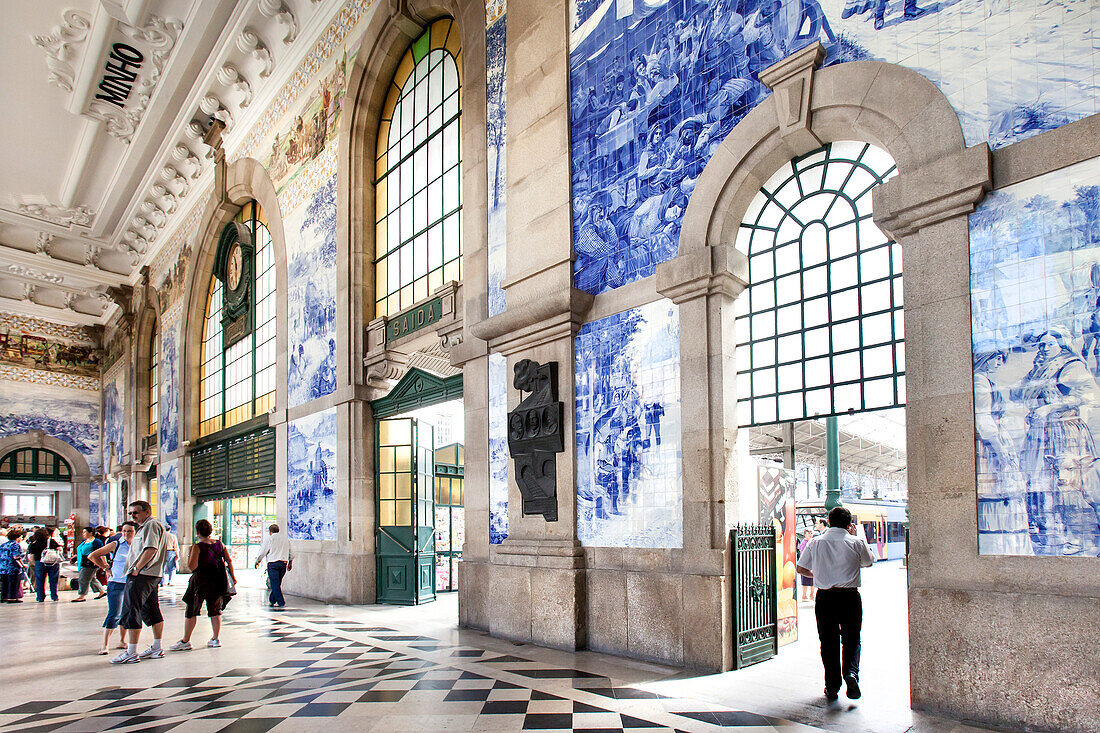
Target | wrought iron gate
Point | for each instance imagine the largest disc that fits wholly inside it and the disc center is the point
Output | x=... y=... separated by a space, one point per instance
x=755 y=616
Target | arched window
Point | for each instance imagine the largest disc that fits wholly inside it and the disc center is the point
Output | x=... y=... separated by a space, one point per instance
x=418 y=244
x=819 y=331
x=36 y=464
x=154 y=382
x=238 y=383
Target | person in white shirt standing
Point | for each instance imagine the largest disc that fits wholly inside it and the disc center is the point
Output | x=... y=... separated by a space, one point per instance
x=276 y=548
x=833 y=560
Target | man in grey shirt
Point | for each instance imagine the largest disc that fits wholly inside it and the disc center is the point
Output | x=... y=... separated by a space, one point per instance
x=140 y=601
x=833 y=560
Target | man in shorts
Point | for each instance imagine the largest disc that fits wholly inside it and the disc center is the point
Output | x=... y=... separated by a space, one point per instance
x=144 y=566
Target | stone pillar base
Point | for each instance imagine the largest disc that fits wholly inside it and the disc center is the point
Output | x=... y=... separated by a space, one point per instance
x=332 y=577
x=538 y=592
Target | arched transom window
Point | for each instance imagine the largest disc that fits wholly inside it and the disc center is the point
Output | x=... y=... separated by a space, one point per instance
x=238 y=383
x=418 y=198
x=819 y=331
x=153 y=416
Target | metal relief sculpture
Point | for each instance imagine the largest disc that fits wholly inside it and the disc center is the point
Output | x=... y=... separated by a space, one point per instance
x=535 y=437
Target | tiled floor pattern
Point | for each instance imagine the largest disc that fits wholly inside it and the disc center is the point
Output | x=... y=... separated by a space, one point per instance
x=372 y=678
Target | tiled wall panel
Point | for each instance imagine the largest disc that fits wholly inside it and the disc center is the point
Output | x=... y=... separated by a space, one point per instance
x=1035 y=292
x=628 y=429
x=658 y=85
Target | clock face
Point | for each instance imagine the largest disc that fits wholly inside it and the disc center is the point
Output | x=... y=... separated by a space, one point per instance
x=234 y=267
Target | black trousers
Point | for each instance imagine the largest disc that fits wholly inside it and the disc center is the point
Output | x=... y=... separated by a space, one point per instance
x=839 y=614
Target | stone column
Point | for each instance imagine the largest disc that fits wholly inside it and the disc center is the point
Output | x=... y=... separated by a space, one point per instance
x=537 y=582
x=925 y=210
x=704 y=281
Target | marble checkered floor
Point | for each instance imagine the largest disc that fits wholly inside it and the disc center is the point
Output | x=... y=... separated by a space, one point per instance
x=312 y=667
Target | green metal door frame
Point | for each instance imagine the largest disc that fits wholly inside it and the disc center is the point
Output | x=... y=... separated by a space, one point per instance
x=405 y=554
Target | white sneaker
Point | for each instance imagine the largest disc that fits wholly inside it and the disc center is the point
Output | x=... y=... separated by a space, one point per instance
x=213 y=644
x=125 y=658
x=152 y=653
x=180 y=646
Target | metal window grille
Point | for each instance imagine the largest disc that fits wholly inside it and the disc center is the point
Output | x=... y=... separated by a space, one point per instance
x=820 y=329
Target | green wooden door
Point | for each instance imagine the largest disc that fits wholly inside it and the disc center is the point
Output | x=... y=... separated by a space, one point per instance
x=405 y=534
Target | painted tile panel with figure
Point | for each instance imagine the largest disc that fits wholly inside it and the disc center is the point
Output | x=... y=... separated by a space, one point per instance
x=311 y=477
x=658 y=85
x=1035 y=303
x=628 y=429
x=168 y=488
x=311 y=297
x=498 y=448
x=168 y=406
x=71 y=415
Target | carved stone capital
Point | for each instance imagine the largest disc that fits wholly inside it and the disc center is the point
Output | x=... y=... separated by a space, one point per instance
x=946 y=188
x=718 y=270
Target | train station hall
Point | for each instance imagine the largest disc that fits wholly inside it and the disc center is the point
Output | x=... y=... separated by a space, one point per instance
x=550 y=365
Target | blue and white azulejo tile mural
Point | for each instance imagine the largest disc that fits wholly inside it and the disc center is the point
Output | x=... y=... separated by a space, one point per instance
x=71 y=415
x=495 y=133
x=658 y=84
x=311 y=477
x=98 y=503
x=627 y=410
x=169 y=489
x=168 y=405
x=311 y=296
x=114 y=406
x=1035 y=304
x=498 y=448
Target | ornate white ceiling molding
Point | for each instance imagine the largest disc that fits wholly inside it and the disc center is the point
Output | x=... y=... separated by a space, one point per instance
x=229 y=75
x=157 y=38
x=28 y=273
x=64 y=216
x=278 y=11
x=58 y=45
x=249 y=42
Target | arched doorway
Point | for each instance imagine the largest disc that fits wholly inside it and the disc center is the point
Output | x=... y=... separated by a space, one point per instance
x=43 y=480
x=925 y=214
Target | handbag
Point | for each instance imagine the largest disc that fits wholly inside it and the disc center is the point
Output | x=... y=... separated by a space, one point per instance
x=230 y=586
x=50 y=556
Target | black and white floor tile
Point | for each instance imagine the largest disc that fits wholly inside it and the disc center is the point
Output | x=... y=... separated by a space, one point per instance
x=315 y=667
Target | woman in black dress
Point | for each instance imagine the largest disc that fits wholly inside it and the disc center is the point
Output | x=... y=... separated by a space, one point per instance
x=210 y=563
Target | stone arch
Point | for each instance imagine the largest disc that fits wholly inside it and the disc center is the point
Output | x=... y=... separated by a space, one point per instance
x=394 y=26
x=890 y=106
x=81 y=475
x=924 y=209
x=245 y=179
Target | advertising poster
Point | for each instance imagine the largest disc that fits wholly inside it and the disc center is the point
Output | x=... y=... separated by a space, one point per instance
x=777 y=506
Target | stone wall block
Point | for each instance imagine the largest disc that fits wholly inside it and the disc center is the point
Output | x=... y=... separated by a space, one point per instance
x=510 y=590
x=705 y=618
x=607 y=611
x=655 y=623
x=969 y=658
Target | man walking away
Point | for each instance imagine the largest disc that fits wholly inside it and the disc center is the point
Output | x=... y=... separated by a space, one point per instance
x=833 y=560
x=144 y=566
x=276 y=548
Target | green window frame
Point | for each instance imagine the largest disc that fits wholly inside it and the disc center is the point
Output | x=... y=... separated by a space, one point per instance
x=35 y=464
x=820 y=329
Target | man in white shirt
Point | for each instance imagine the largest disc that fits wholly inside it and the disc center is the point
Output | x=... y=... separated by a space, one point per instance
x=276 y=548
x=833 y=560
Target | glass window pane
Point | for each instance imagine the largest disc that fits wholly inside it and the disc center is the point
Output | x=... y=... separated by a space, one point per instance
x=803 y=227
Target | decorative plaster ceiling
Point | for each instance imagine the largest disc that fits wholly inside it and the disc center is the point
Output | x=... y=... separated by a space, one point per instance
x=104 y=124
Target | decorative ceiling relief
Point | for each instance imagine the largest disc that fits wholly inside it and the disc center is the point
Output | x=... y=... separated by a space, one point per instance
x=32 y=274
x=58 y=46
x=135 y=62
x=65 y=216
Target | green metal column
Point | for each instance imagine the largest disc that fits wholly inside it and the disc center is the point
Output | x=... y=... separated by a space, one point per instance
x=832 y=464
